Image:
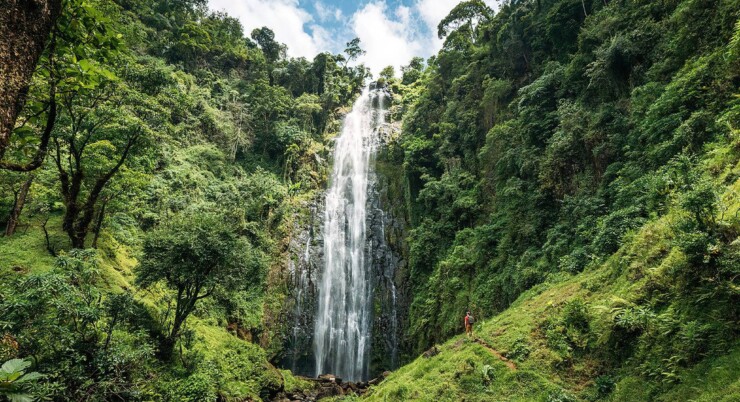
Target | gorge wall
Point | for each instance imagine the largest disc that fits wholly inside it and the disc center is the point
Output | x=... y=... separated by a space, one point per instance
x=386 y=256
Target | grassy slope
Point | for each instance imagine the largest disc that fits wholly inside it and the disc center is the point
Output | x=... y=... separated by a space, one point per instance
x=456 y=373
x=645 y=259
x=245 y=363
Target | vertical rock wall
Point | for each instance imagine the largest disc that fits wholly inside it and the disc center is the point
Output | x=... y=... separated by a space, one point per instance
x=387 y=249
x=387 y=246
x=305 y=260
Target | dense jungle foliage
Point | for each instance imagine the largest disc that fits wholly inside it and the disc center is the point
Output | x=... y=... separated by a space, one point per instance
x=540 y=138
x=136 y=258
x=569 y=171
x=566 y=142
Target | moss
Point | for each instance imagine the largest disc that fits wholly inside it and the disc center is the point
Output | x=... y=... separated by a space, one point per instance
x=25 y=252
x=294 y=384
x=646 y=264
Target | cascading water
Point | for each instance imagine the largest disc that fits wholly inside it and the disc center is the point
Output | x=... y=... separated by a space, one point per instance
x=342 y=329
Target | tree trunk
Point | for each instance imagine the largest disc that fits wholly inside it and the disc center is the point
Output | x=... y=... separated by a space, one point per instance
x=78 y=217
x=49 y=248
x=20 y=201
x=167 y=345
x=166 y=348
x=99 y=224
x=25 y=26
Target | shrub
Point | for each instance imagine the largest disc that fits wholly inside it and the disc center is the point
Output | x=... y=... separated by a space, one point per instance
x=604 y=385
x=520 y=350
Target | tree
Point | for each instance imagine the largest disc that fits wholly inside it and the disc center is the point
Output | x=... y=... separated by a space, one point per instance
x=25 y=26
x=388 y=73
x=195 y=254
x=100 y=134
x=412 y=72
x=465 y=13
x=353 y=51
x=19 y=202
x=265 y=38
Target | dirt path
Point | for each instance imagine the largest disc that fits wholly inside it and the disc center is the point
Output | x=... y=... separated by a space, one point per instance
x=510 y=364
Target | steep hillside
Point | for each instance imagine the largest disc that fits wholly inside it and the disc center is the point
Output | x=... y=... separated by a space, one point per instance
x=588 y=336
x=571 y=176
x=145 y=256
x=569 y=170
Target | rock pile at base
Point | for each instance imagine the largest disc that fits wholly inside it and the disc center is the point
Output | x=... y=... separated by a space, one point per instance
x=328 y=385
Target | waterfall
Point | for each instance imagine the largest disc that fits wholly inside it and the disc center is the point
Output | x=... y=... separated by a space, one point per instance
x=342 y=329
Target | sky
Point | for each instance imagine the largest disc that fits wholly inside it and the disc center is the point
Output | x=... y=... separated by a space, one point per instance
x=391 y=31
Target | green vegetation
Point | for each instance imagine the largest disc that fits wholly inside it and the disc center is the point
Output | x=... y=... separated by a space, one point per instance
x=569 y=171
x=12 y=377
x=139 y=250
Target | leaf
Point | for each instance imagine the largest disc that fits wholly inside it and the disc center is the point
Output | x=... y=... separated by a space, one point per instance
x=20 y=398
x=30 y=377
x=85 y=64
x=15 y=365
x=24 y=131
x=13 y=376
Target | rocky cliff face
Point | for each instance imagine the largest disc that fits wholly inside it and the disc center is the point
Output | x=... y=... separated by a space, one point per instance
x=305 y=253
x=387 y=246
x=386 y=233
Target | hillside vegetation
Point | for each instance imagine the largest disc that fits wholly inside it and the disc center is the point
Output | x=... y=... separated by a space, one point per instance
x=569 y=170
x=571 y=174
x=177 y=153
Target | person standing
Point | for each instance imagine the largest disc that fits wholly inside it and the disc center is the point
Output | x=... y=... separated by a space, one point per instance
x=469 y=321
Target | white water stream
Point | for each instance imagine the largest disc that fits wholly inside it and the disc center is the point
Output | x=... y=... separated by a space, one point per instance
x=342 y=330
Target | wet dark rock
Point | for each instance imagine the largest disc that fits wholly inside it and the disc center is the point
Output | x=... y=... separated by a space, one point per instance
x=330 y=378
x=328 y=386
x=388 y=251
x=305 y=251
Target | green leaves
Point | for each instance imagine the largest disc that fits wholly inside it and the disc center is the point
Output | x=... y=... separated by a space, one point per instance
x=87 y=46
x=13 y=377
x=12 y=369
x=465 y=13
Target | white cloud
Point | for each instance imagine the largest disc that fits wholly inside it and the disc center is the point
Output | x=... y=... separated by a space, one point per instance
x=284 y=17
x=390 y=36
x=393 y=37
x=327 y=12
x=387 y=40
x=432 y=12
x=322 y=38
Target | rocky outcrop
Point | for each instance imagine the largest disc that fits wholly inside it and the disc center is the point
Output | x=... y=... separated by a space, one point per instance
x=305 y=252
x=327 y=386
x=387 y=246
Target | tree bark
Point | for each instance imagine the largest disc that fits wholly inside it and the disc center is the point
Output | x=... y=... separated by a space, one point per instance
x=187 y=296
x=49 y=248
x=20 y=201
x=25 y=26
x=99 y=224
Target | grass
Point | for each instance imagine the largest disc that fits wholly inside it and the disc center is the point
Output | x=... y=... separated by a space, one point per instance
x=25 y=252
x=243 y=368
x=647 y=260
